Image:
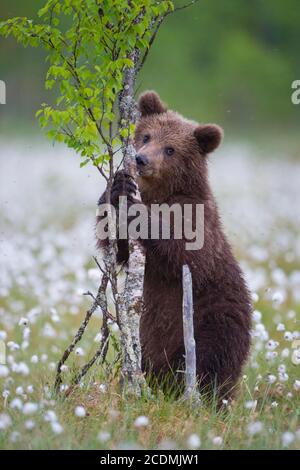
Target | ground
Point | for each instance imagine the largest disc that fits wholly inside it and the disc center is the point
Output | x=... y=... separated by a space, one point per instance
x=46 y=246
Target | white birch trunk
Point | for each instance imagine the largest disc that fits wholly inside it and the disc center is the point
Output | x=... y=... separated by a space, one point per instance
x=131 y=300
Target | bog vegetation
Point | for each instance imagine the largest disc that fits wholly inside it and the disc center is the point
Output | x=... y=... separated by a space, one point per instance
x=46 y=264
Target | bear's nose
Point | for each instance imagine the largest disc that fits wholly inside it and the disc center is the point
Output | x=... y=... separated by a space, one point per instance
x=141 y=160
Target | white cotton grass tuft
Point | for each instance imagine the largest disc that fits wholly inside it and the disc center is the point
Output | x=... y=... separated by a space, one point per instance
x=16 y=404
x=26 y=334
x=288 y=336
x=285 y=353
x=94 y=274
x=12 y=346
x=4 y=371
x=291 y=313
x=23 y=321
x=141 y=421
x=21 y=368
x=54 y=315
x=56 y=427
x=34 y=359
x=287 y=438
x=114 y=327
x=254 y=428
x=278 y=297
x=103 y=436
x=79 y=352
x=271 y=378
x=296 y=385
x=250 y=404
x=271 y=345
x=296 y=357
x=80 y=412
x=30 y=408
x=98 y=338
x=5 y=393
x=20 y=390
x=193 y=441
x=217 y=441
x=256 y=316
x=48 y=331
x=29 y=424
x=5 y=421
x=283 y=377
x=271 y=355
x=3 y=335
x=103 y=388
x=50 y=416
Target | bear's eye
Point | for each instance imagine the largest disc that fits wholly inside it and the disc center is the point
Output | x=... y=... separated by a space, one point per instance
x=146 y=138
x=169 y=151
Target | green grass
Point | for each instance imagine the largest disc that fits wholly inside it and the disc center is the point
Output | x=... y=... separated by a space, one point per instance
x=46 y=260
x=171 y=420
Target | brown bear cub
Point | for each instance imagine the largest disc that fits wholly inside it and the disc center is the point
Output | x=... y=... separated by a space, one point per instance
x=171 y=166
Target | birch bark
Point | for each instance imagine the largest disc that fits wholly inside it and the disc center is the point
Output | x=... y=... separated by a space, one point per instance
x=131 y=301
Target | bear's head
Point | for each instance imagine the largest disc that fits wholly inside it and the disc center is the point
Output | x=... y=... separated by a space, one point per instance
x=171 y=150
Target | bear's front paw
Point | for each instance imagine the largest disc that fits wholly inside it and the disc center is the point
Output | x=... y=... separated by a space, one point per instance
x=123 y=185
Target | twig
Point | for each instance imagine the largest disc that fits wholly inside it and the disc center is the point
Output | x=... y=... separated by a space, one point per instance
x=99 y=354
x=187 y=5
x=108 y=314
x=144 y=58
x=100 y=300
x=157 y=26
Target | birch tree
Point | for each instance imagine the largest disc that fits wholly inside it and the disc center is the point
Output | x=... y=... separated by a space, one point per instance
x=95 y=49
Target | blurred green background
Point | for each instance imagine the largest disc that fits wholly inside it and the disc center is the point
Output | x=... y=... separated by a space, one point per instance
x=232 y=62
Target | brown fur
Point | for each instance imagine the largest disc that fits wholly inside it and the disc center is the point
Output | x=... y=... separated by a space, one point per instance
x=221 y=299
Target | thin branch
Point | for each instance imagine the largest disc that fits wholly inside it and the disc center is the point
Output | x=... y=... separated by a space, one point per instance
x=187 y=5
x=157 y=26
x=152 y=39
x=98 y=301
x=99 y=354
x=108 y=314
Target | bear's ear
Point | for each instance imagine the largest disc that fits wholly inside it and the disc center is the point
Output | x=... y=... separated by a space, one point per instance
x=209 y=137
x=150 y=103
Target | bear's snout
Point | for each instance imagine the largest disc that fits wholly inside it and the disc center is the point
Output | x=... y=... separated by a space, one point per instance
x=141 y=160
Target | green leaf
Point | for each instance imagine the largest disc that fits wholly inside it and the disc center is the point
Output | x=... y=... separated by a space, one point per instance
x=85 y=162
x=87 y=55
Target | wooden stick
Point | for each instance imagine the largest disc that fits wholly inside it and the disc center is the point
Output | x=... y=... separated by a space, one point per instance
x=191 y=392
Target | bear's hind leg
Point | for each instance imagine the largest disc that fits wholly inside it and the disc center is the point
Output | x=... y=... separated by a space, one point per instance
x=222 y=346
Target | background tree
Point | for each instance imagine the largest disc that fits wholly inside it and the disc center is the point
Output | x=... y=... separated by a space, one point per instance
x=240 y=59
